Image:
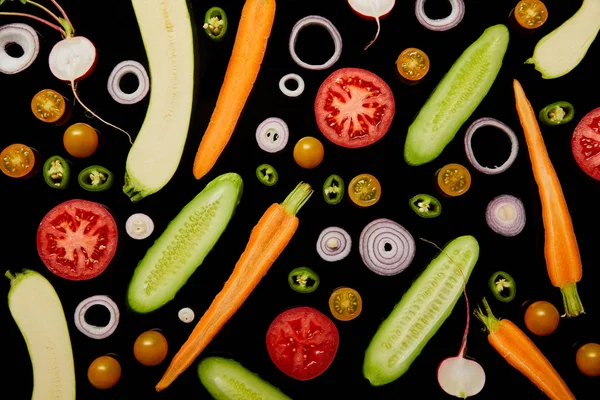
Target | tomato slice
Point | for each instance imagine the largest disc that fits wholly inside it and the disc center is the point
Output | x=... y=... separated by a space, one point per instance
x=354 y=107
x=364 y=190
x=531 y=14
x=48 y=105
x=585 y=144
x=302 y=342
x=77 y=239
x=412 y=64
x=454 y=180
x=17 y=160
x=345 y=304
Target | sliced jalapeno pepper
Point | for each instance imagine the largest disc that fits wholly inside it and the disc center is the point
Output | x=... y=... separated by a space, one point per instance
x=333 y=189
x=557 y=113
x=267 y=174
x=503 y=286
x=215 y=23
x=425 y=206
x=95 y=179
x=57 y=172
x=303 y=280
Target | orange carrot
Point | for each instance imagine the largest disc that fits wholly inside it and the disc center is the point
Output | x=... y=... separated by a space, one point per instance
x=246 y=58
x=523 y=355
x=267 y=240
x=560 y=248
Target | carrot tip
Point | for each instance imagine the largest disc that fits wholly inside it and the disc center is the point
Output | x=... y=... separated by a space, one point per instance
x=571 y=300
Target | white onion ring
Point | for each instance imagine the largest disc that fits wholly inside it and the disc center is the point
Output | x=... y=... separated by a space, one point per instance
x=114 y=80
x=186 y=315
x=291 y=93
x=442 y=24
x=333 y=32
x=24 y=36
x=514 y=145
x=139 y=226
x=342 y=243
x=92 y=331
x=505 y=215
x=373 y=240
x=272 y=135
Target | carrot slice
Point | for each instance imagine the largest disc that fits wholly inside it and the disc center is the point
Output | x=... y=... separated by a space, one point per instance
x=560 y=248
x=244 y=65
x=267 y=240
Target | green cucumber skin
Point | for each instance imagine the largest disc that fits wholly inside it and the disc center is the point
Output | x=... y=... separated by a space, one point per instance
x=424 y=141
x=227 y=190
x=376 y=366
x=227 y=379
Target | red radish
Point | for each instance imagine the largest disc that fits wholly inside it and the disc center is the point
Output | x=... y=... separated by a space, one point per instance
x=372 y=9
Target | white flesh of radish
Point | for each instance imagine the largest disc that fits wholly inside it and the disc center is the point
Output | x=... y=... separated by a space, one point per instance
x=72 y=58
x=460 y=377
x=375 y=9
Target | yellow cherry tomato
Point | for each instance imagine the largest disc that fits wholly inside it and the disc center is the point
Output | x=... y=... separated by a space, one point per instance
x=542 y=318
x=412 y=64
x=48 y=105
x=345 y=304
x=17 y=160
x=531 y=14
x=454 y=179
x=364 y=190
x=80 y=140
x=588 y=359
x=309 y=152
x=104 y=372
x=150 y=348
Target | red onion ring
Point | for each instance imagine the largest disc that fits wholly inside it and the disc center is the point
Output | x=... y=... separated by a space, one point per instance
x=376 y=237
x=505 y=215
x=92 y=331
x=272 y=135
x=514 y=145
x=24 y=36
x=114 y=80
x=443 y=24
x=334 y=244
x=335 y=35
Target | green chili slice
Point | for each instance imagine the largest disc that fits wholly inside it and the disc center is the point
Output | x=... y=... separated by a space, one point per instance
x=267 y=174
x=95 y=179
x=333 y=189
x=303 y=280
x=57 y=172
x=557 y=113
x=503 y=286
x=215 y=23
x=425 y=206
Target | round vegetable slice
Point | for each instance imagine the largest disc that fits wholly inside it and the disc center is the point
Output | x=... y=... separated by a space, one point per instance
x=585 y=144
x=302 y=342
x=25 y=37
x=17 y=160
x=291 y=93
x=425 y=206
x=354 y=107
x=303 y=280
x=364 y=190
x=272 y=135
x=514 y=145
x=92 y=331
x=325 y=23
x=505 y=215
x=412 y=64
x=588 y=359
x=386 y=247
x=531 y=14
x=503 y=286
x=215 y=23
x=114 y=82
x=139 y=226
x=267 y=174
x=334 y=244
x=345 y=304
x=442 y=24
x=542 y=318
x=104 y=372
x=309 y=152
x=77 y=239
x=557 y=113
x=186 y=315
x=333 y=189
x=95 y=178
x=48 y=105
x=454 y=180
x=57 y=172
x=150 y=348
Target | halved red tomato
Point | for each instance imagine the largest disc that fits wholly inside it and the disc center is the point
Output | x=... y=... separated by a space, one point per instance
x=302 y=342
x=77 y=239
x=354 y=107
x=586 y=143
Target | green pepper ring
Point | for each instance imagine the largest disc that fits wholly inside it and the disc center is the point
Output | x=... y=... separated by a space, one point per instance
x=83 y=179
x=566 y=106
x=509 y=285
x=264 y=178
x=436 y=206
x=66 y=175
x=328 y=185
x=211 y=13
x=305 y=273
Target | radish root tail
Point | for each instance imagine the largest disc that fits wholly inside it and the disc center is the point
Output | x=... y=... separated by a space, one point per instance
x=376 y=34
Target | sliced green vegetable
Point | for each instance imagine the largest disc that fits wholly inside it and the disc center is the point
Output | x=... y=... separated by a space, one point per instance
x=267 y=174
x=303 y=280
x=333 y=189
x=420 y=312
x=215 y=23
x=57 y=172
x=227 y=379
x=95 y=179
x=426 y=206
x=557 y=113
x=503 y=286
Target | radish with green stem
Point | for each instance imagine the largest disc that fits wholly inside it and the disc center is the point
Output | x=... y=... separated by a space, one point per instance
x=372 y=9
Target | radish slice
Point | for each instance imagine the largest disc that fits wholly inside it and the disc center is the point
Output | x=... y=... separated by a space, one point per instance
x=139 y=226
x=72 y=58
x=460 y=377
x=335 y=35
x=25 y=37
x=372 y=9
x=186 y=315
x=92 y=331
x=442 y=24
x=114 y=81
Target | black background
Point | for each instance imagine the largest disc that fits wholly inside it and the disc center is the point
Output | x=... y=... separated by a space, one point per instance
x=112 y=27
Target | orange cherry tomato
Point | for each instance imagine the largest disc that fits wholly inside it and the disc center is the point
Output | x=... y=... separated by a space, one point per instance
x=17 y=160
x=542 y=318
x=309 y=152
x=454 y=179
x=588 y=359
x=80 y=140
x=104 y=372
x=412 y=64
x=364 y=190
x=345 y=304
x=531 y=14
x=48 y=105
x=150 y=348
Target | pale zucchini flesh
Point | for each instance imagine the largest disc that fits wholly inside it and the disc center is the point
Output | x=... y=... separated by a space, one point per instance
x=420 y=312
x=184 y=244
x=38 y=312
x=456 y=97
x=560 y=51
x=168 y=37
x=227 y=379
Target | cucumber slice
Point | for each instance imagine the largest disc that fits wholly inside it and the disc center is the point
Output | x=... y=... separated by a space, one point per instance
x=184 y=244
x=228 y=380
x=456 y=97
x=420 y=312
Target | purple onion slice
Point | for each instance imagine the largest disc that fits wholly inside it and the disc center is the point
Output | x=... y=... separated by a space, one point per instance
x=514 y=145
x=23 y=36
x=334 y=244
x=114 y=82
x=335 y=35
x=272 y=135
x=92 y=331
x=442 y=24
x=386 y=247
x=505 y=215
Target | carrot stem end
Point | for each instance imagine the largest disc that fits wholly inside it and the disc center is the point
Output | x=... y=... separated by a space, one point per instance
x=297 y=198
x=487 y=317
x=571 y=301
